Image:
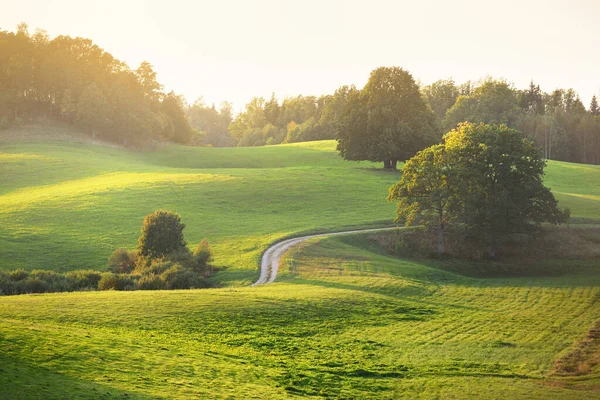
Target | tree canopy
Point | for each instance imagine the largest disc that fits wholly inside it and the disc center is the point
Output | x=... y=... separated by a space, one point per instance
x=396 y=122
x=486 y=177
x=74 y=81
x=162 y=235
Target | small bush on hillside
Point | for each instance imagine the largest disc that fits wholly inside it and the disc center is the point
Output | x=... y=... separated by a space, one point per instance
x=182 y=256
x=178 y=277
x=110 y=281
x=7 y=286
x=122 y=261
x=203 y=255
x=55 y=282
x=150 y=282
x=18 y=275
x=85 y=279
x=34 y=285
x=156 y=268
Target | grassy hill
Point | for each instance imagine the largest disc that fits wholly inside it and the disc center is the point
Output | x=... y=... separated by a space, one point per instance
x=344 y=320
x=67 y=204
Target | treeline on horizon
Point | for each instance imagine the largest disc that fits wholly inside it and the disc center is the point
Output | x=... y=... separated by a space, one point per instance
x=74 y=81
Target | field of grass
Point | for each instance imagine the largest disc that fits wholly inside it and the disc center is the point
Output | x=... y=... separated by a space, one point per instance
x=344 y=319
x=67 y=204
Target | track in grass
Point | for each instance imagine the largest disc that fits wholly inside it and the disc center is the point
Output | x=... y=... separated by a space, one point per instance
x=272 y=256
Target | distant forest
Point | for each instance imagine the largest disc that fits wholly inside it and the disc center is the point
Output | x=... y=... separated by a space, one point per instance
x=74 y=81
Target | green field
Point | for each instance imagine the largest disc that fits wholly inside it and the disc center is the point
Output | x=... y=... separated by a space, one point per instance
x=67 y=205
x=344 y=320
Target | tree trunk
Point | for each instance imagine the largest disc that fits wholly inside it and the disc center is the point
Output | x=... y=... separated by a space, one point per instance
x=387 y=164
x=394 y=163
x=491 y=252
x=442 y=240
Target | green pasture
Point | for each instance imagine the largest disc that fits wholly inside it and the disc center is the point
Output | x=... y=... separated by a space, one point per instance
x=346 y=321
x=67 y=204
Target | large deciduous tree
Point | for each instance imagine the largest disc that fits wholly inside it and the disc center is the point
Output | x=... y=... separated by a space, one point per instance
x=425 y=192
x=492 y=102
x=487 y=177
x=391 y=121
x=441 y=96
x=92 y=109
x=173 y=106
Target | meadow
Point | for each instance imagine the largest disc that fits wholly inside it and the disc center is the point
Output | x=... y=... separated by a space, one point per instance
x=345 y=319
x=66 y=204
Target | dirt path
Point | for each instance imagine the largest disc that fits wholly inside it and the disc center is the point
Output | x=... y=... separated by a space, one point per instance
x=269 y=265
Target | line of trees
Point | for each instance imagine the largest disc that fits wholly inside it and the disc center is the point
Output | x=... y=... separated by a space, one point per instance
x=557 y=122
x=77 y=82
x=391 y=119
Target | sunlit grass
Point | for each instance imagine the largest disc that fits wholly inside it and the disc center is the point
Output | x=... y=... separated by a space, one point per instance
x=68 y=204
x=346 y=321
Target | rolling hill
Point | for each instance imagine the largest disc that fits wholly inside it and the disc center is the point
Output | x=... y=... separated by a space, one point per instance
x=345 y=319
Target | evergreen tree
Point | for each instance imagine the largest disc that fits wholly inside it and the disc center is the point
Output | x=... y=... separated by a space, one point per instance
x=594 y=108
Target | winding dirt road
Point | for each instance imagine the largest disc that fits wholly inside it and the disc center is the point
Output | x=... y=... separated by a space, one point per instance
x=270 y=260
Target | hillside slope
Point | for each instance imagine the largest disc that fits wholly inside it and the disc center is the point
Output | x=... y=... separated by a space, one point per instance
x=67 y=204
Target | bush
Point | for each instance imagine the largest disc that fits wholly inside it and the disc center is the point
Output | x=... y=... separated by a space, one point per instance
x=156 y=268
x=150 y=282
x=34 y=285
x=162 y=234
x=7 y=286
x=122 y=261
x=55 y=282
x=203 y=255
x=182 y=256
x=84 y=279
x=18 y=275
x=178 y=277
x=110 y=281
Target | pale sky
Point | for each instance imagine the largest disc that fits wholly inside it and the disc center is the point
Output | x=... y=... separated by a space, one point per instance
x=235 y=50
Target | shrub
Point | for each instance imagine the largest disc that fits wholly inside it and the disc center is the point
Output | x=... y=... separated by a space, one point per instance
x=122 y=261
x=203 y=255
x=150 y=282
x=157 y=267
x=55 y=282
x=162 y=234
x=110 y=281
x=178 y=277
x=18 y=275
x=84 y=279
x=7 y=286
x=34 y=285
x=182 y=256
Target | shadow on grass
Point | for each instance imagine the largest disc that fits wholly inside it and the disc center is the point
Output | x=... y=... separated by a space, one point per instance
x=22 y=380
